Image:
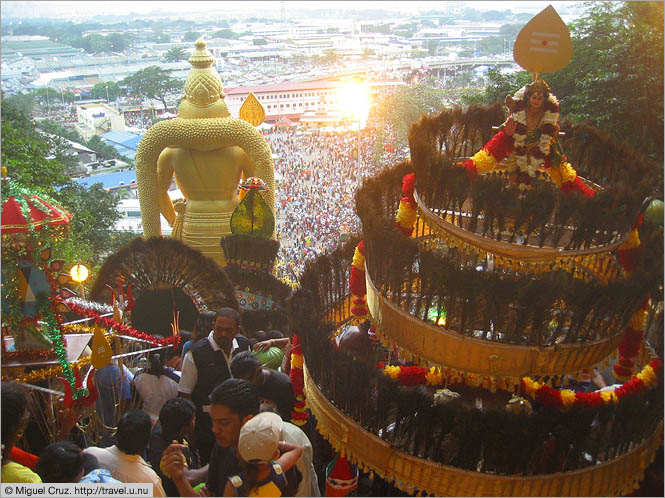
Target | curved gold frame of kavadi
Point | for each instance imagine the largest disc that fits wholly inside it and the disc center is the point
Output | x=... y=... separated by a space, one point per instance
x=429 y=344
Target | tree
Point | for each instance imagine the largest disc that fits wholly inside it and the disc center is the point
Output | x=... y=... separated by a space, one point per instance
x=160 y=37
x=102 y=149
x=615 y=77
x=46 y=96
x=224 y=33
x=432 y=45
x=175 y=54
x=96 y=43
x=152 y=82
x=405 y=106
x=94 y=216
x=499 y=87
x=191 y=36
x=24 y=153
x=330 y=56
x=259 y=41
x=118 y=42
x=99 y=91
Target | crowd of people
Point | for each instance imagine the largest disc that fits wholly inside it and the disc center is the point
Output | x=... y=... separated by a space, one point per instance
x=218 y=426
x=315 y=197
x=138 y=119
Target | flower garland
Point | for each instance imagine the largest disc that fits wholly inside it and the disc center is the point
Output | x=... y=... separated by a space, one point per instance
x=406 y=213
x=561 y=399
x=404 y=221
x=536 y=160
x=121 y=328
x=412 y=375
x=299 y=415
x=632 y=339
x=357 y=283
x=564 y=399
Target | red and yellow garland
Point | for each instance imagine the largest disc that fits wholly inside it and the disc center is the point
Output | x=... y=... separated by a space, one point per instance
x=561 y=399
x=299 y=415
x=357 y=284
x=632 y=339
x=406 y=213
x=404 y=221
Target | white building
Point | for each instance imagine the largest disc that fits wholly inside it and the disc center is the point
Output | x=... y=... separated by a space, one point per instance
x=293 y=99
x=96 y=119
x=130 y=215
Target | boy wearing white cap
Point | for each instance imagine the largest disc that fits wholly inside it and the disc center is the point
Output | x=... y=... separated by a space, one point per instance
x=259 y=449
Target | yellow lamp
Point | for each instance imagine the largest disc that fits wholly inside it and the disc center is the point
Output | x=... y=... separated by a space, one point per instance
x=79 y=273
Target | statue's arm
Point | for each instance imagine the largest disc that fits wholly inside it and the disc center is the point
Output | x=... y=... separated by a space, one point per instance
x=165 y=170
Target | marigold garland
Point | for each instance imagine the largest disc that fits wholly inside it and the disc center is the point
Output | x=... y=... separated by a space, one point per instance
x=632 y=339
x=357 y=284
x=299 y=414
x=562 y=399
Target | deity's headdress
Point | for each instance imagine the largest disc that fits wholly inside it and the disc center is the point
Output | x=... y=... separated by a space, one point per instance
x=203 y=97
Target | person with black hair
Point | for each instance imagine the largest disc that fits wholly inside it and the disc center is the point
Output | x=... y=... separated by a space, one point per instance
x=272 y=386
x=233 y=403
x=176 y=423
x=205 y=366
x=202 y=327
x=61 y=461
x=15 y=416
x=156 y=384
x=92 y=473
x=272 y=338
x=124 y=458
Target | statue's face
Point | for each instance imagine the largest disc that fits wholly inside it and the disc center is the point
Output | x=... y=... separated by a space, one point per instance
x=536 y=101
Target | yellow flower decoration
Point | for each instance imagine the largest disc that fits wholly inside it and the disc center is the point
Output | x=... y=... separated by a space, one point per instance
x=392 y=371
x=296 y=361
x=609 y=397
x=358 y=260
x=531 y=386
x=484 y=161
x=406 y=215
x=648 y=376
x=434 y=377
x=567 y=398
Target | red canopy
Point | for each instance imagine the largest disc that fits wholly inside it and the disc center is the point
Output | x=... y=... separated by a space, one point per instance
x=42 y=213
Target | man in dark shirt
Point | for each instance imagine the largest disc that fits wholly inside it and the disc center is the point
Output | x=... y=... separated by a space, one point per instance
x=205 y=366
x=271 y=385
x=176 y=423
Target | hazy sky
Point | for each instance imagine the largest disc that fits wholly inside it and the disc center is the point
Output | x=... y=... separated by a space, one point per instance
x=60 y=8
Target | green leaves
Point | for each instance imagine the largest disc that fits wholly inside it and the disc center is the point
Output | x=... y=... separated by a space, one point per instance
x=615 y=78
x=153 y=82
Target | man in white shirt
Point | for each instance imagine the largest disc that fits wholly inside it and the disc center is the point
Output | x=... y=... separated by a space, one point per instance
x=205 y=366
x=123 y=460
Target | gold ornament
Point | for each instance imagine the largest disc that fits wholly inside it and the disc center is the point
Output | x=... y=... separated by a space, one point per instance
x=252 y=111
x=543 y=45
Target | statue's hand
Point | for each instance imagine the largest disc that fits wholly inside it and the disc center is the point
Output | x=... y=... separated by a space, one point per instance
x=510 y=126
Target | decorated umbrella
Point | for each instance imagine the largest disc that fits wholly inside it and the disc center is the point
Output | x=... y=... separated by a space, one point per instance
x=31 y=222
x=24 y=211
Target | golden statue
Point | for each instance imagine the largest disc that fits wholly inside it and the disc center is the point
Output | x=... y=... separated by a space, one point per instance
x=209 y=152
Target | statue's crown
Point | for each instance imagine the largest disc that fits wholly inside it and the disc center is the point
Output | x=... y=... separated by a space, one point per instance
x=203 y=86
x=538 y=86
